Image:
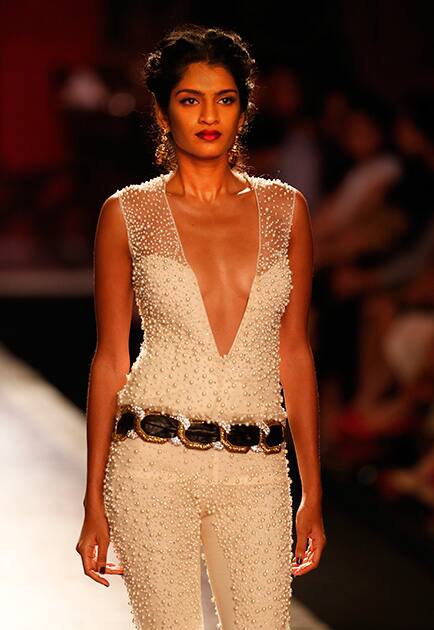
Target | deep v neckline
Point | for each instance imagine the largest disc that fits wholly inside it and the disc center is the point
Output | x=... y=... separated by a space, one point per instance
x=228 y=354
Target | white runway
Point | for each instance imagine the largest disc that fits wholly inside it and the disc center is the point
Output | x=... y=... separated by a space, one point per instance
x=42 y=462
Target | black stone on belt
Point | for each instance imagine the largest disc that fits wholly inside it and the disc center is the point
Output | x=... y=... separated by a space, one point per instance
x=164 y=426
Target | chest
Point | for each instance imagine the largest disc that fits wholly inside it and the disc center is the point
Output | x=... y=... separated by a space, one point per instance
x=220 y=242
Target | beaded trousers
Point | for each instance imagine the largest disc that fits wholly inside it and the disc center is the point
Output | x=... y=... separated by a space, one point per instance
x=163 y=501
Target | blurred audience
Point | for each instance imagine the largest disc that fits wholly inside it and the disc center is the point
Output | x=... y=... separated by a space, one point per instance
x=283 y=142
x=375 y=296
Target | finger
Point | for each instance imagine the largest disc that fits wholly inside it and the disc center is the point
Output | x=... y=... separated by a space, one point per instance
x=316 y=549
x=300 y=549
x=308 y=556
x=310 y=562
x=89 y=563
x=300 y=557
x=87 y=554
x=315 y=556
x=114 y=569
x=95 y=576
x=303 y=568
x=113 y=564
x=102 y=556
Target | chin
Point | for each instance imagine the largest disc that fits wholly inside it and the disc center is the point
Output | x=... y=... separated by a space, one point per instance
x=207 y=155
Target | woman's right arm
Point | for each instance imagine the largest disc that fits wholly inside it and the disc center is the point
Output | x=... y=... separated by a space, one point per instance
x=113 y=295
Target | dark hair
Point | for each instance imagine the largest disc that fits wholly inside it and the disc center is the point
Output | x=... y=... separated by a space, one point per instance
x=192 y=43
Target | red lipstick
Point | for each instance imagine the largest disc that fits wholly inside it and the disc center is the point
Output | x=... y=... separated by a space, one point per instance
x=209 y=135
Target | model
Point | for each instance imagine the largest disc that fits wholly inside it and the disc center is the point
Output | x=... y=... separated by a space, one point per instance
x=188 y=446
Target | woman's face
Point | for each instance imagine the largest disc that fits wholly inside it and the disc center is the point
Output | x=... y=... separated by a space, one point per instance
x=205 y=99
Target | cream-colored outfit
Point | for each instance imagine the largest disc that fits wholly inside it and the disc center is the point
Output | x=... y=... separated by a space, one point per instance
x=164 y=500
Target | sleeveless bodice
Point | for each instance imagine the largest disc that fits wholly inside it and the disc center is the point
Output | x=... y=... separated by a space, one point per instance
x=179 y=369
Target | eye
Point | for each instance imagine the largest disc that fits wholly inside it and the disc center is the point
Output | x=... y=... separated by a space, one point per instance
x=188 y=98
x=231 y=99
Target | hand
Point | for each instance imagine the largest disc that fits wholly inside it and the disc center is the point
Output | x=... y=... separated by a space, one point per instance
x=95 y=534
x=311 y=538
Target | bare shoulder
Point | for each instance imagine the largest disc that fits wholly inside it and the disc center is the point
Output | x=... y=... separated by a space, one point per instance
x=111 y=205
x=111 y=224
x=301 y=222
x=110 y=212
x=301 y=204
x=118 y=204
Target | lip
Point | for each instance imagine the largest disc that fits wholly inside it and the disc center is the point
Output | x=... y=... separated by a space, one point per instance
x=209 y=135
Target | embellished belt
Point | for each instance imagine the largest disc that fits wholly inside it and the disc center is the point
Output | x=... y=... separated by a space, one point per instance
x=157 y=427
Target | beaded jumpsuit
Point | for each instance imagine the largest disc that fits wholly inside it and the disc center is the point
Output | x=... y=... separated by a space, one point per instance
x=163 y=501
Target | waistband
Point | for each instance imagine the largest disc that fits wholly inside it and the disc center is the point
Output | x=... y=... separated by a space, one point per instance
x=158 y=427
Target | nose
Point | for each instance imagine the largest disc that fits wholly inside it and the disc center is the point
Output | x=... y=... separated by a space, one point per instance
x=208 y=113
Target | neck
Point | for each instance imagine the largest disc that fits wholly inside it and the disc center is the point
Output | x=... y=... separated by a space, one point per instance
x=206 y=183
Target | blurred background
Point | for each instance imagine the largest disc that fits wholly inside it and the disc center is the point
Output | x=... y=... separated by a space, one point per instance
x=345 y=113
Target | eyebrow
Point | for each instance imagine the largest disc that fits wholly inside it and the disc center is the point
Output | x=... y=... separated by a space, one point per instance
x=201 y=93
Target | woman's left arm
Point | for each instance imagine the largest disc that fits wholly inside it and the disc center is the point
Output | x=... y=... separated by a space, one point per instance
x=298 y=379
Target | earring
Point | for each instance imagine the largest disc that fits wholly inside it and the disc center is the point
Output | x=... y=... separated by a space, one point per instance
x=162 y=151
x=234 y=152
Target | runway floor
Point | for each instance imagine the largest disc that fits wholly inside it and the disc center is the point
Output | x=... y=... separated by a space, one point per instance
x=42 y=461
